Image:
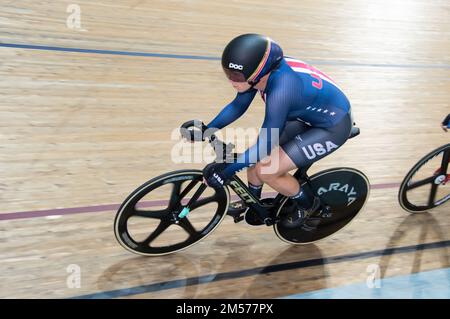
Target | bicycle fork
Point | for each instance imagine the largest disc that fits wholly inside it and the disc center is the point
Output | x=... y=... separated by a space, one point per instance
x=186 y=209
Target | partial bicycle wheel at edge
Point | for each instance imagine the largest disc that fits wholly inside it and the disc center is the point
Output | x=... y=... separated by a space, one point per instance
x=427 y=184
x=344 y=190
x=153 y=216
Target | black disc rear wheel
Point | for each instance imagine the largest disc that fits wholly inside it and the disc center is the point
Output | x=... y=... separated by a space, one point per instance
x=343 y=190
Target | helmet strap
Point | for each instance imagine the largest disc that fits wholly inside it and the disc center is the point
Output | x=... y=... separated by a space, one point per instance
x=273 y=67
x=252 y=83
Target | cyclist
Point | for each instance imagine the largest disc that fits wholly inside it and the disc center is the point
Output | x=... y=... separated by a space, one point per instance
x=311 y=113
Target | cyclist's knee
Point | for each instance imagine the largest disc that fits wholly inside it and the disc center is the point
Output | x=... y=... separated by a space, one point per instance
x=252 y=169
x=266 y=175
x=252 y=173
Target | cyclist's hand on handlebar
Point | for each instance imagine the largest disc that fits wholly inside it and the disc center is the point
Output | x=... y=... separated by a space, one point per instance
x=214 y=175
x=196 y=130
x=193 y=130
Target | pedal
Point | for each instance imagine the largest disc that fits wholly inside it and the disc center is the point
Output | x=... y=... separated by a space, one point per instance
x=236 y=209
x=238 y=219
x=252 y=218
x=238 y=215
x=269 y=221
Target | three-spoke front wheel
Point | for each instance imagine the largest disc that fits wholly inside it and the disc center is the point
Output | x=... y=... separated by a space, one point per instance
x=427 y=184
x=148 y=222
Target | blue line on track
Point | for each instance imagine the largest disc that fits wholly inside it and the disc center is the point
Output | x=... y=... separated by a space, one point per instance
x=201 y=57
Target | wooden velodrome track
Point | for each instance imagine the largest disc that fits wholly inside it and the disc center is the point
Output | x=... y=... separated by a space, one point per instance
x=81 y=129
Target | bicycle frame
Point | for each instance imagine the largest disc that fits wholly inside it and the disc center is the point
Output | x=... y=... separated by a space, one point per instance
x=263 y=210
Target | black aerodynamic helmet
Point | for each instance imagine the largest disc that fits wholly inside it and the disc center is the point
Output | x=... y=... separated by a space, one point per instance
x=248 y=57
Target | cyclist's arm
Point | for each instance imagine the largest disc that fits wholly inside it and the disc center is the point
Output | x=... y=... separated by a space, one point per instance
x=234 y=110
x=277 y=108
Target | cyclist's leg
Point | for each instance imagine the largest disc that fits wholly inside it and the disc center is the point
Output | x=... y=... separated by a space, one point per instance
x=301 y=151
x=274 y=171
x=255 y=184
x=291 y=129
x=305 y=149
